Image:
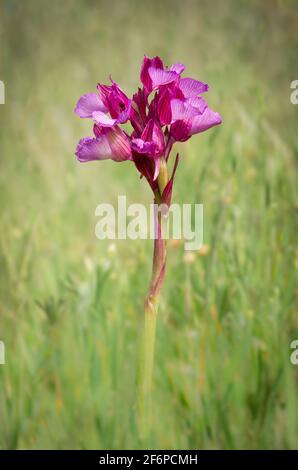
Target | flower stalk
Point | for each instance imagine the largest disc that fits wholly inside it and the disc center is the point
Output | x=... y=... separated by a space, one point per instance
x=166 y=109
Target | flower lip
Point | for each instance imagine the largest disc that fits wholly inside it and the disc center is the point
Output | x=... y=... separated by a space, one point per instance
x=205 y=121
x=90 y=148
x=108 y=143
x=151 y=141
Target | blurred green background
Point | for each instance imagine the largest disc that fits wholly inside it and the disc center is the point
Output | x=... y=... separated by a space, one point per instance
x=71 y=305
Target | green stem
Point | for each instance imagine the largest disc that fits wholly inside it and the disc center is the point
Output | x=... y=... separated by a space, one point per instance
x=145 y=373
x=146 y=364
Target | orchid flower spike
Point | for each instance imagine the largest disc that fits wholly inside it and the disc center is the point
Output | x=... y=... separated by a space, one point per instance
x=166 y=109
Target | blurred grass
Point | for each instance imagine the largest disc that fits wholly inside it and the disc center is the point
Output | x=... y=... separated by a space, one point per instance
x=71 y=306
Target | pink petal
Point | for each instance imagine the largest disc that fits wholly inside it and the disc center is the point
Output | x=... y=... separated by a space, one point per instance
x=164 y=107
x=103 y=119
x=140 y=146
x=198 y=102
x=117 y=104
x=116 y=88
x=191 y=87
x=87 y=104
x=155 y=62
x=124 y=116
x=89 y=149
x=153 y=134
x=180 y=130
x=182 y=110
x=205 y=121
x=178 y=68
x=152 y=141
x=140 y=100
x=104 y=91
x=119 y=143
x=161 y=77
